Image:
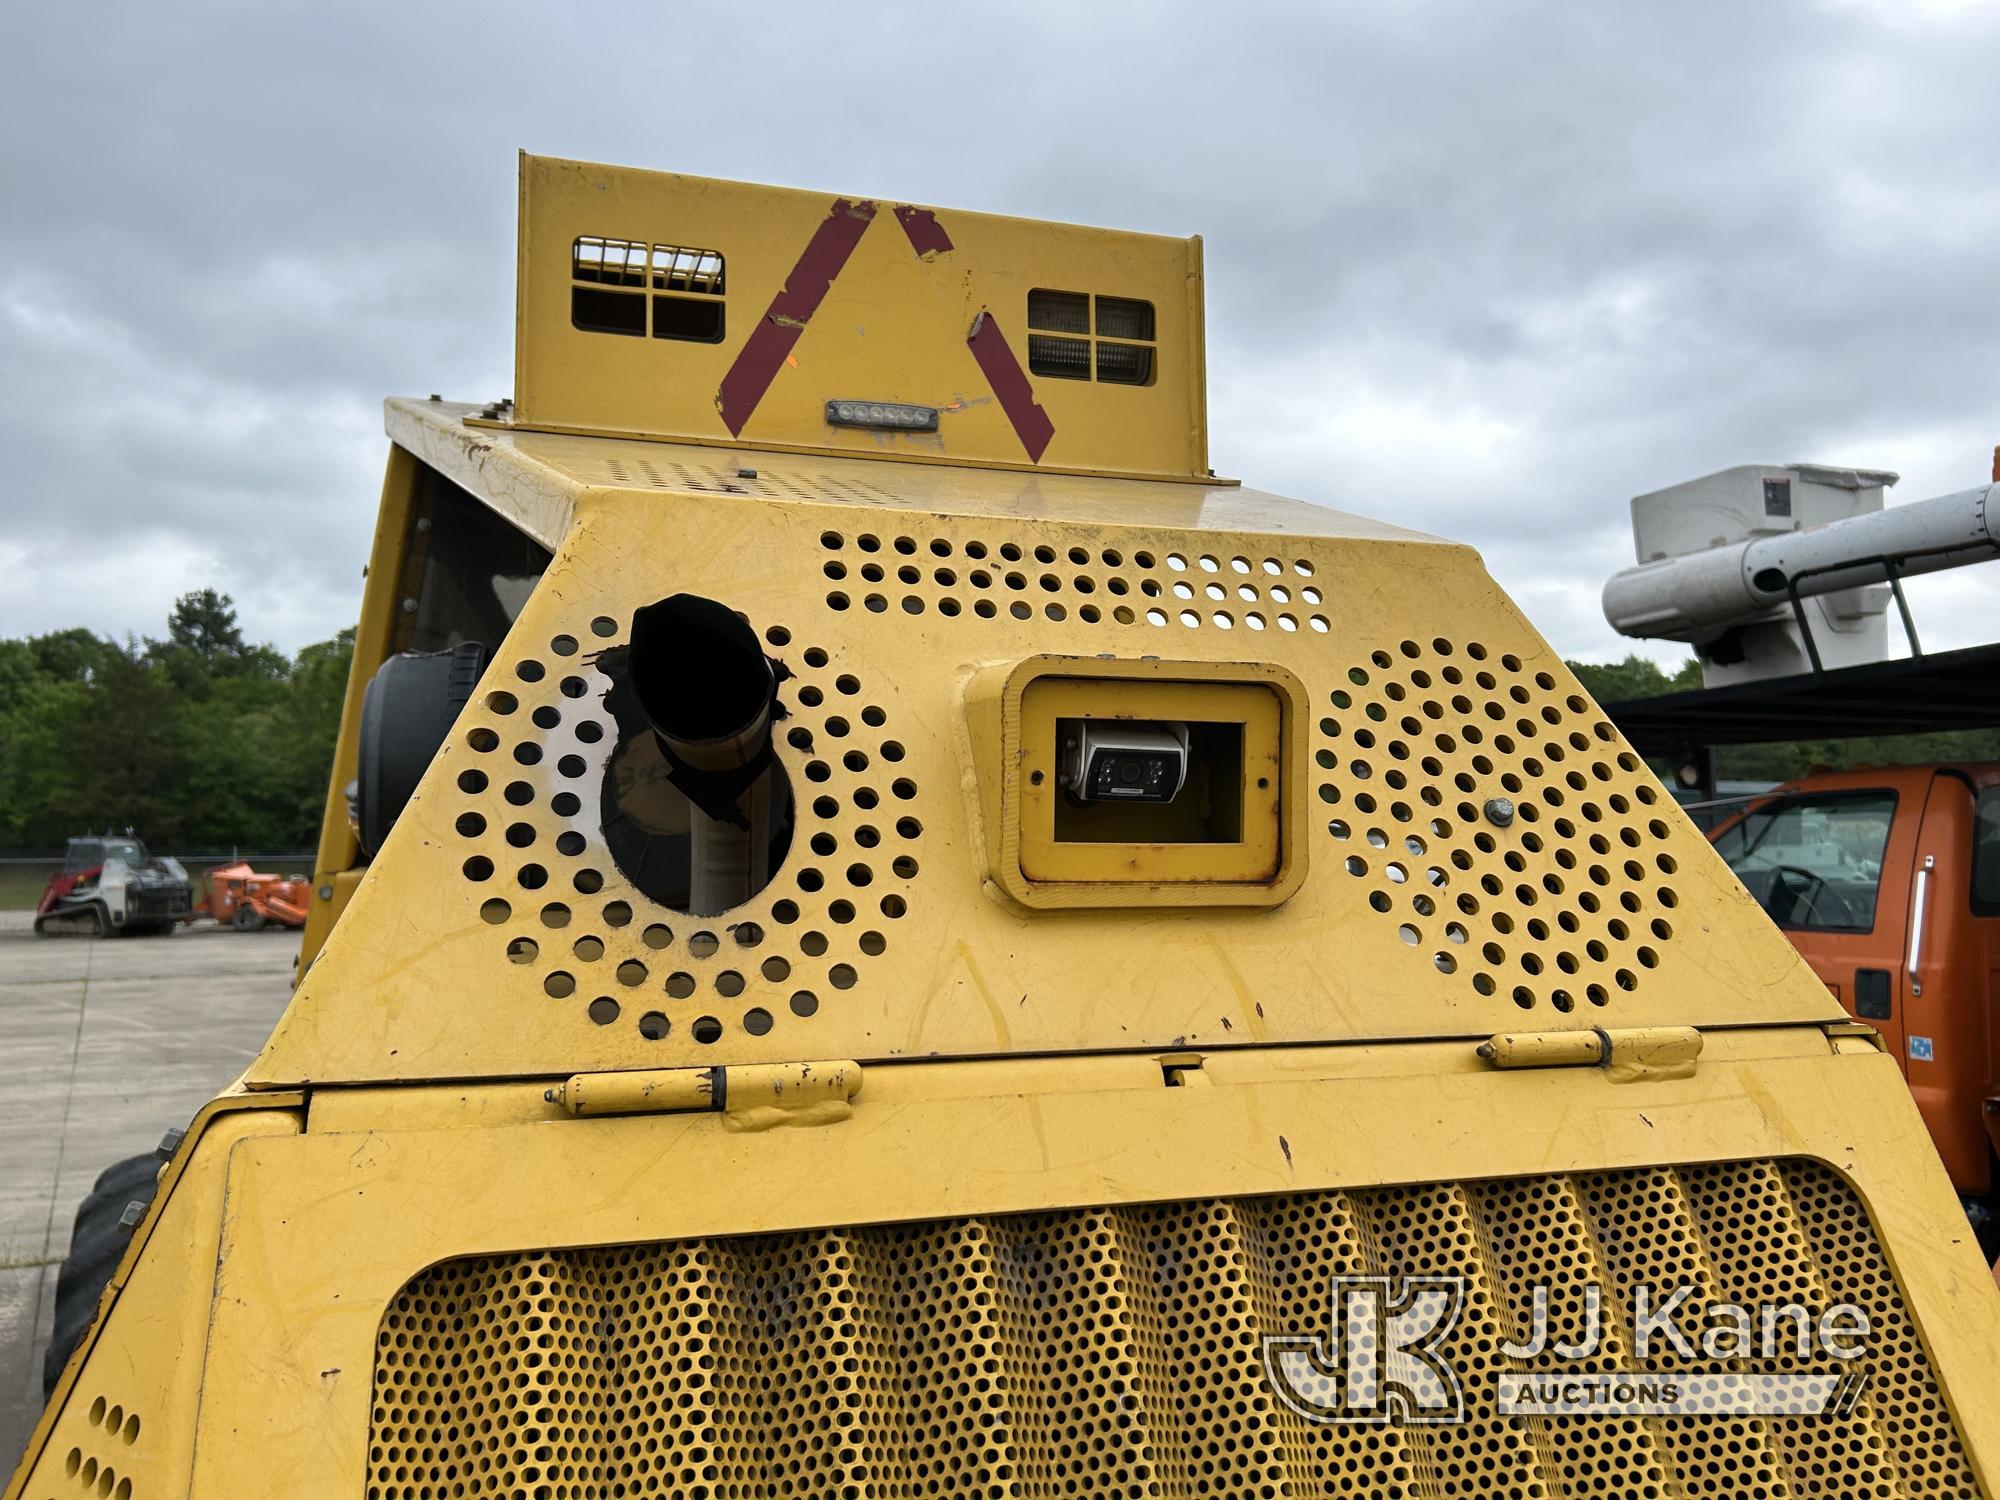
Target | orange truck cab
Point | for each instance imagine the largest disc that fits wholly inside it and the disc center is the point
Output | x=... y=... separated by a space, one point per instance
x=1887 y=881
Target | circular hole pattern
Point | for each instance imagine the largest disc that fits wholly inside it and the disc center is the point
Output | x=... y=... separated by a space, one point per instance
x=1071 y=581
x=846 y=850
x=1565 y=903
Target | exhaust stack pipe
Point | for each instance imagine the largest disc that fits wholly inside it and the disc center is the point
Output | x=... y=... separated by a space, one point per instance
x=710 y=696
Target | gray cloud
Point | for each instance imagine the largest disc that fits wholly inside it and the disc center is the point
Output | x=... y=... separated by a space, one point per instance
x=1487 y=269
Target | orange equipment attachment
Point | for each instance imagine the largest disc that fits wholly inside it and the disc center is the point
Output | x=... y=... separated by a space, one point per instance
x=239 y=897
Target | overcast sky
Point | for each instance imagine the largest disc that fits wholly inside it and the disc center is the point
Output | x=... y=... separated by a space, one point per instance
x=1483 y=268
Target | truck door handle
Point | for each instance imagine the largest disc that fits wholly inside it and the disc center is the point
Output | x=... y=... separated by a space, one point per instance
x=1918 y=903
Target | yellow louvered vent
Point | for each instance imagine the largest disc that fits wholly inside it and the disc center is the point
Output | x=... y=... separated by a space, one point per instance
x=1118 y=1352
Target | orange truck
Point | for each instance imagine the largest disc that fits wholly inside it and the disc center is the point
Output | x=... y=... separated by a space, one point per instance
x=1887 y=881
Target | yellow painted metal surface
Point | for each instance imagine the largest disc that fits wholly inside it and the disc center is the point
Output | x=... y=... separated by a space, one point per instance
x=1428 y=696
x=1119 y=1348
x=121 y=1420
x=1034 y=855
x=1627 y=1056
x=824 y=297
x=754 y=1097
x=328 y=1229
x=1544 y=1049
x=1109 y=1134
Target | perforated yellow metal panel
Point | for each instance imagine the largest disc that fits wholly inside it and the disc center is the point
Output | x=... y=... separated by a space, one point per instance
x=99 y=1461
x=1495 y=815
x=1423 y=696
x=1117 y=1351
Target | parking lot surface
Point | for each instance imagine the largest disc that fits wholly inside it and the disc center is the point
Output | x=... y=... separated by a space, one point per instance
x=106 y=1044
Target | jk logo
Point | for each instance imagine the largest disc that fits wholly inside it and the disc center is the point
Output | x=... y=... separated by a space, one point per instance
x=1380 y=1360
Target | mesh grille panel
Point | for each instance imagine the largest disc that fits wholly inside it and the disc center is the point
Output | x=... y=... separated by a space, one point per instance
x=1558 y=890
x=1118 y=1351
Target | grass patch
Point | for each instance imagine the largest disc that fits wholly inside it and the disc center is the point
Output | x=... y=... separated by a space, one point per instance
x=21 y=885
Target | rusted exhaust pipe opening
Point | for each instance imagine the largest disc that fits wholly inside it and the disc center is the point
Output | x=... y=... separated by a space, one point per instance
x=709 y=693
x=701 y=677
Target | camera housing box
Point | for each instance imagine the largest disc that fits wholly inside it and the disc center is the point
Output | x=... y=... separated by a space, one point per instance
x=1227 y=835
x=1118 y=760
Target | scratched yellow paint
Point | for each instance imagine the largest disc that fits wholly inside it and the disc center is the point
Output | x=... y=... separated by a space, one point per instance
x=893 y=325
x=1466 y=849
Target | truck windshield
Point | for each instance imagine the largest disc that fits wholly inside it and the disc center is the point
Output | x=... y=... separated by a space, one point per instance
x=1813 y=862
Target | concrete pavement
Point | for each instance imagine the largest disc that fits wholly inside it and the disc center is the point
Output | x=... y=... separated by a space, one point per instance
x=104 y=1044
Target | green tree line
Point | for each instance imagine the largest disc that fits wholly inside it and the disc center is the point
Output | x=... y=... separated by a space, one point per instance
x=201 y=739
x=196 y=740
x=1636 y=677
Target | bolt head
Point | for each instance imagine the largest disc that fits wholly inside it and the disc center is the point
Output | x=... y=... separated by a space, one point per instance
x=1499 y=811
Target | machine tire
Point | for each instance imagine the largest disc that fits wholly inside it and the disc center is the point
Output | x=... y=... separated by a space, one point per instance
x=96 y=1246
x=246 y=918
x=407 y=711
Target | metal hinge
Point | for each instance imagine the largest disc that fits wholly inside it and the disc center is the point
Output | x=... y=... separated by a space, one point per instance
x=1182 y=1070
x=1628 y=1054
x=1853 y=1036
x=749 y=1096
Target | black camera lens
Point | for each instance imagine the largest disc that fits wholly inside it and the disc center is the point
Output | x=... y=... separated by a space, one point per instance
x=1133 y=774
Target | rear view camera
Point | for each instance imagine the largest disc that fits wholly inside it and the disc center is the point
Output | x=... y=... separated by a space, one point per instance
x=1123 y=761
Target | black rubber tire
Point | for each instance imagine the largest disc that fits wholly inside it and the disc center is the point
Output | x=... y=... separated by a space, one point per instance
x=96 y=1246
x=246 y=918
x=407 y=711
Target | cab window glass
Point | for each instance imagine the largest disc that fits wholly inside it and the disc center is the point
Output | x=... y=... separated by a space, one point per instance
x=1813 y=863
x=1986 y=853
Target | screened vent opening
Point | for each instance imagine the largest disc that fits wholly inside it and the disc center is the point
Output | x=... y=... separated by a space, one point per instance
x=608 y=262
x=1124 y=318
x=595 y=310
x=1124 y=364
x=698 y=322
x=1120 y=353
x=1059 y=312
x=1064 y=359
x=676 y=268
x=686 y=284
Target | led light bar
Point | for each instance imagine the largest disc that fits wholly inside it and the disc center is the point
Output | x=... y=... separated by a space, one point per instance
x=884 y=416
